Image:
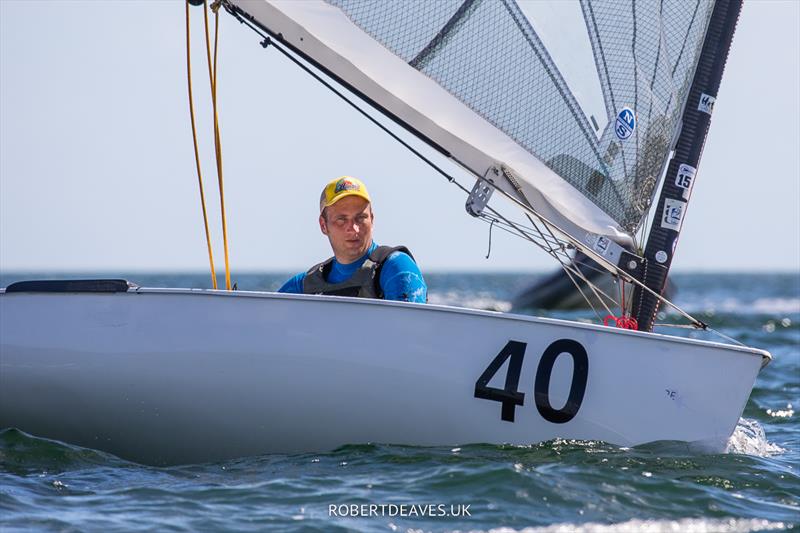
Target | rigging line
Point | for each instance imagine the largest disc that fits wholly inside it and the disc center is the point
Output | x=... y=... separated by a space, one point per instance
x=196 y=150
x=571 y=266
x=509 y=176
x=541 y=236
x=601 y=260
x=489 y=251
x=711 y=330
x=599 y=294
x=569 y=270
x=731 y=339
x=579 y=273
x=212 y=78
x=545 y=246
x=555 y=254
x=267 y=41
x=577 y=286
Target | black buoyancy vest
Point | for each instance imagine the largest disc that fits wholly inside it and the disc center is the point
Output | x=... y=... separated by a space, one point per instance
x=364 y=283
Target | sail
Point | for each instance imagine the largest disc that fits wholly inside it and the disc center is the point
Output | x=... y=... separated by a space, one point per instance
x=570 y=107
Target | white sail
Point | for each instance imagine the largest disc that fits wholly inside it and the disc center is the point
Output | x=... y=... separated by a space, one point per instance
x=475 y=78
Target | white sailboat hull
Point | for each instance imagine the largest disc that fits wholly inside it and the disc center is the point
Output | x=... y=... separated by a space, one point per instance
x=167 y=376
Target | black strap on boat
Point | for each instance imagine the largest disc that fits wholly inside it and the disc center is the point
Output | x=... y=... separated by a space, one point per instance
x=71 y=285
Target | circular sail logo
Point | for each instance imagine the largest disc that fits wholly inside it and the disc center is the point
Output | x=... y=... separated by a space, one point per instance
x=626 y=123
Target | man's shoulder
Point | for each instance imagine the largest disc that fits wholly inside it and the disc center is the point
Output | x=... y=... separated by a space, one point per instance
x=399 y=261
x=384 y=254
x=402 y=280
x=294 y=285
x=399 y=256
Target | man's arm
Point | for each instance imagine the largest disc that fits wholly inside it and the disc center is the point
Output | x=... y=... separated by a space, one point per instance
x=402 y=280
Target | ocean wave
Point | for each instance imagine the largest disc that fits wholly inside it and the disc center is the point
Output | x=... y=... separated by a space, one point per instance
x=749 y=439
x=683 y=525
x=21 y=453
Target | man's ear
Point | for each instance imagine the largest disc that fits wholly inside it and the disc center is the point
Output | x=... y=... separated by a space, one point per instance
x=323 y=226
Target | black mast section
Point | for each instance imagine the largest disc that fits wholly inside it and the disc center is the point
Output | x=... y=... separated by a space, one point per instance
x=671 y=207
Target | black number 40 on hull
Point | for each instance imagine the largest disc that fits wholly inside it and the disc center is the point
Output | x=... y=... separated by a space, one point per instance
x=509 y=397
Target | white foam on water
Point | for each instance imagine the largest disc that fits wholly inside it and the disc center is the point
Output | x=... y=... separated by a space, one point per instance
x=748 y=438
x=782 y=413
x=481 y=300
x=776 y=305
x=683 y=525
x=767 y=306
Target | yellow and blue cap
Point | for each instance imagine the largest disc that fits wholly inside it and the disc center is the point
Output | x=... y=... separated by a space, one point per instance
x=340 y=187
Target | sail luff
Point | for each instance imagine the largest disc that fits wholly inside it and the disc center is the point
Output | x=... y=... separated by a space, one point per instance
x=676 y=191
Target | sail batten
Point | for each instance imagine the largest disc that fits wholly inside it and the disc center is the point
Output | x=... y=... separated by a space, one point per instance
x=451 y=26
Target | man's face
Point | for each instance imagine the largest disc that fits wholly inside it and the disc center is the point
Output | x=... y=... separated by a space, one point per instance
x=348 y=225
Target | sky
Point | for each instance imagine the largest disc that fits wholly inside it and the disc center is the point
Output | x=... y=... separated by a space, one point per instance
x=97 y=168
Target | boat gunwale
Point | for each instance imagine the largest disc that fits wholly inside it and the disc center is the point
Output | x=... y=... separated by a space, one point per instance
x=429 y=307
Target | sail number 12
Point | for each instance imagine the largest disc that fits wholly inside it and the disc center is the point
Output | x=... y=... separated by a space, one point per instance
x=509 y=397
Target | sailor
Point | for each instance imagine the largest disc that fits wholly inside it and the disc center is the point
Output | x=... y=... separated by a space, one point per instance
x=359 y=267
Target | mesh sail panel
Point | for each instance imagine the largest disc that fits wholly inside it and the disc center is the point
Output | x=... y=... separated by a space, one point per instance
x=645 y=53
x=487 y=54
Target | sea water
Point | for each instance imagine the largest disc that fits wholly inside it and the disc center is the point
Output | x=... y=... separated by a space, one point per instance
x=556 y=486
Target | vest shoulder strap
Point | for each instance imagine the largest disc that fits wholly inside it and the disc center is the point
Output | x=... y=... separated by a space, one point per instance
x=379 y=256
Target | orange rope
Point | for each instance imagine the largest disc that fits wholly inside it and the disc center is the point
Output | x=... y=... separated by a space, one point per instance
x=197 y=152
x=212 y=76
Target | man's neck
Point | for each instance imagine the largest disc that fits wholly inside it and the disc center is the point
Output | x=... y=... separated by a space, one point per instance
x=360 y=259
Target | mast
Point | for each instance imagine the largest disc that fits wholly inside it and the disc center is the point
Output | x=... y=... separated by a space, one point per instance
x=675 y=193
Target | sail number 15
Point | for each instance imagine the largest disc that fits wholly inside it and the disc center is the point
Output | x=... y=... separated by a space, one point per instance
x=509 y=397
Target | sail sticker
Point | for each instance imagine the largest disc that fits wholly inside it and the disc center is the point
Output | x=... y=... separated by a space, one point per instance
x=706 y=104
x=626 y=123
x=672 y=218
x=601 y=245
x=604 y=247
x=661 y=256
x=685 y=179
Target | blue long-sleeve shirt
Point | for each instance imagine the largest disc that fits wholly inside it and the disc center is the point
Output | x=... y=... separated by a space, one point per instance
x=400 y=277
